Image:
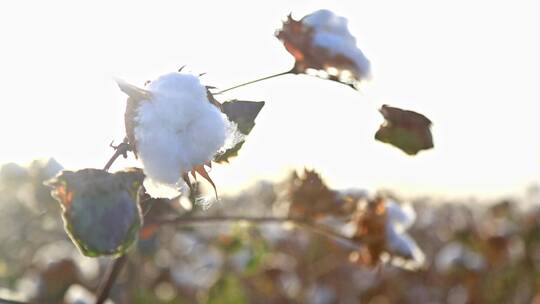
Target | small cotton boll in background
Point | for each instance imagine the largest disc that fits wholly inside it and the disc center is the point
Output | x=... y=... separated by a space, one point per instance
x=455 y=254
x=176 y=129
x=401 y=244
x=332 y=33
x=399 y=218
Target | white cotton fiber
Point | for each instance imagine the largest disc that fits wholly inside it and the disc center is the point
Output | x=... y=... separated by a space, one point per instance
x=401 y=244
x=331 y=32
x=399 y=218
x=402 y=216
x=176 y=129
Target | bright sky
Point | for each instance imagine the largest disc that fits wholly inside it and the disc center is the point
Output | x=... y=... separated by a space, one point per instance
x=470 y=66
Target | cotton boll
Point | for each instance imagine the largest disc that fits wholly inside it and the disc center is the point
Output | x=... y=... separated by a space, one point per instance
x=345 y=45
x=399 y=218
x=162 y=190
x=202 y=137
x=403 y=245
x=233 y=136
x=455 y=254
x=326 y=20
x=331 y=32
x=176 y=129
x=402 y=216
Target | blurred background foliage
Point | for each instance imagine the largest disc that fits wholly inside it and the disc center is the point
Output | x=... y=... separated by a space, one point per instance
x=475 y=253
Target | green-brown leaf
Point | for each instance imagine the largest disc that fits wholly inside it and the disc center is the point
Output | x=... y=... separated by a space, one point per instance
x=407 y=130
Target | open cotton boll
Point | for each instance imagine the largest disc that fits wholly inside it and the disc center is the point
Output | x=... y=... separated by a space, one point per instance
x=326 y=20
x=323 y=46
x=176 y=129
x=401 y=216
x=331 y=32
x=403 y=245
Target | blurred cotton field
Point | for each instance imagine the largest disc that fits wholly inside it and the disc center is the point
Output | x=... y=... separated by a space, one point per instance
x=462 y=252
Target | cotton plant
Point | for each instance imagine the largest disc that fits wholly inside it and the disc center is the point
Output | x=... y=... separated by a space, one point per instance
x=178 y=127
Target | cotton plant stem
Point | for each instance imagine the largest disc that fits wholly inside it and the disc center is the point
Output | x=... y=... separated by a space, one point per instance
x=110 y=277
x=308 y=225
x=6 y=301
x=121 y=149
x=254 y=81
x=116 y=265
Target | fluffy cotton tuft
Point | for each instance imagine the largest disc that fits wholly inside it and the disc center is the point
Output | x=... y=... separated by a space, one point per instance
x=399 y=218
x=176 y=129
x=402 y=216
x=331 y=32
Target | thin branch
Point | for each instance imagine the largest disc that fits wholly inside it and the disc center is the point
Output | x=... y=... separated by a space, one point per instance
x=6 y=301
x=254 y=81
x=112 y=273
x=121 y=149
x=339 y=238
x=306 y=224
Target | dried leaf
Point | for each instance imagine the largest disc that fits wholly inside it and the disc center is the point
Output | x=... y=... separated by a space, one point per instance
x=370 y=225
x=407 y=130
x=311 y=198
x=223 y=157
x=133 y=91
x=136 y=95
x=243 y=113
x=324 y=46
x=202 y=171
x=100 y=210
x=212 y=99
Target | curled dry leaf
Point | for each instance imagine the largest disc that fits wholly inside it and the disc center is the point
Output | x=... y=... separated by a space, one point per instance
x=243 y=114
x=136 y=96
x=100 y=209
x=370 y=225
x=322 y=41
x=311 y=198
x=224 y=156
x=407 y=130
